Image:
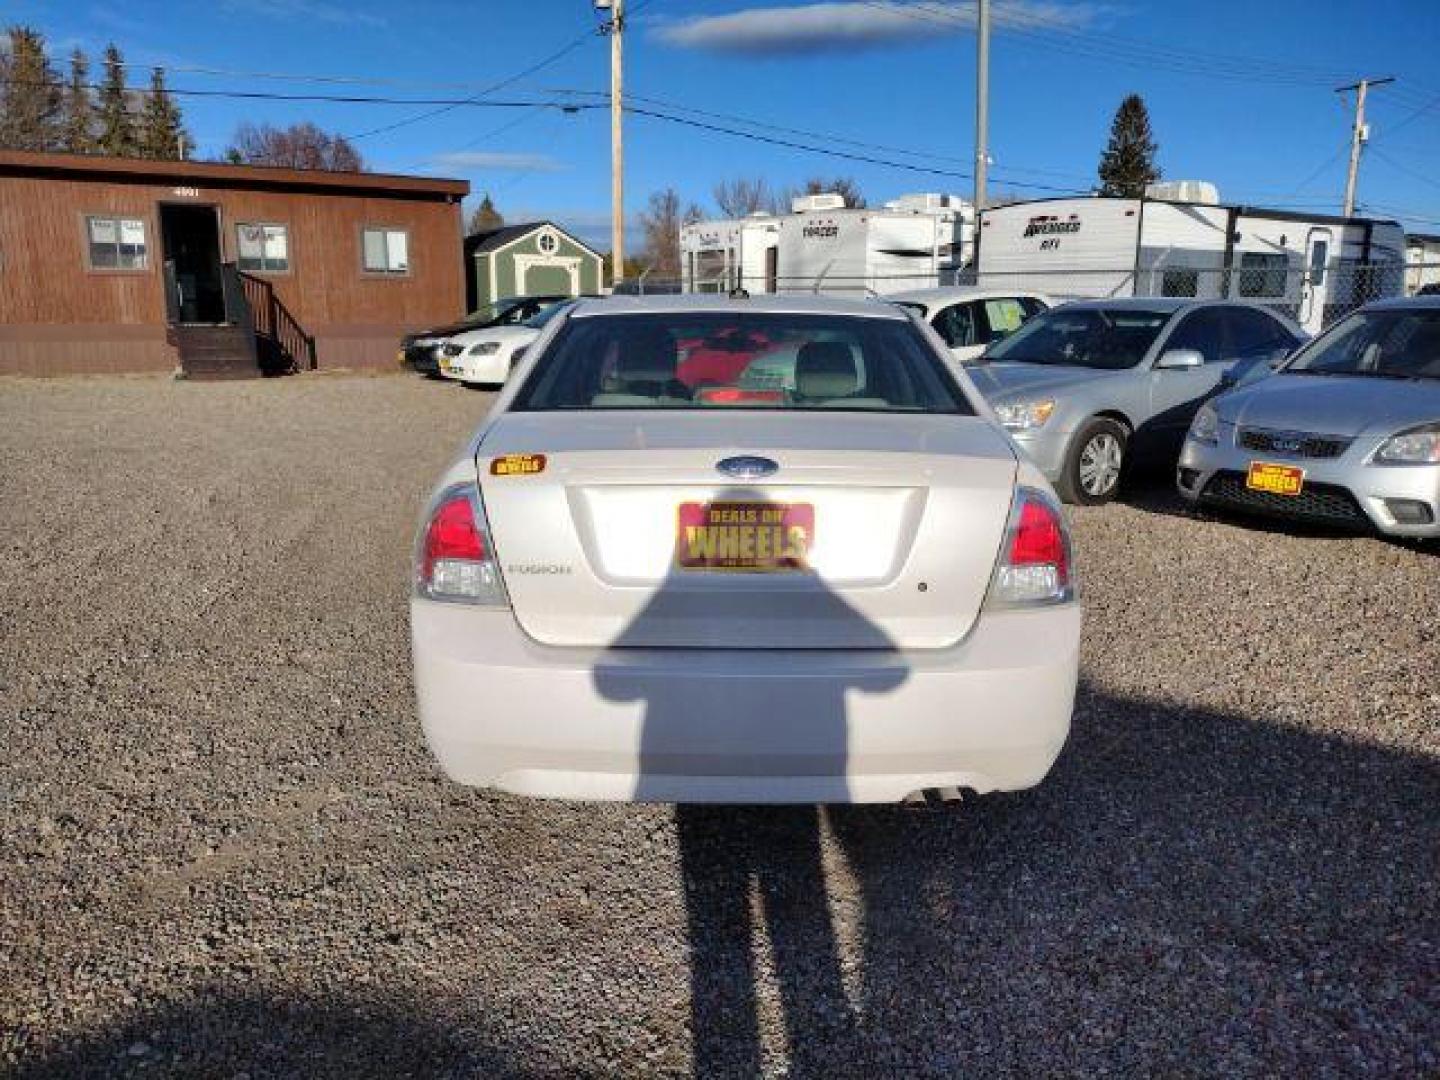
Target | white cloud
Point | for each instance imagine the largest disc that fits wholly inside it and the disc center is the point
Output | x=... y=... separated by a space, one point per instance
x=591 y=226
x=851 y=25
x=497 y=161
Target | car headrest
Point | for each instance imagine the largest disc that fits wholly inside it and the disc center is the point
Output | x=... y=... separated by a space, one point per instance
x=645 y=355
x=825 y=369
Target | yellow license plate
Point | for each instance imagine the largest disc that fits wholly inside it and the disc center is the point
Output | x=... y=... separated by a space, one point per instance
x=1275 y=479
x=753 y=537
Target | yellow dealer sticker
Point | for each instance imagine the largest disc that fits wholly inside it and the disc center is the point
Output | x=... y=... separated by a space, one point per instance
x=517 y=465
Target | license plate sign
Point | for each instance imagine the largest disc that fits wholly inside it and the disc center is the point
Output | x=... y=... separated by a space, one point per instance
x=1275 y=479
x=751 y=537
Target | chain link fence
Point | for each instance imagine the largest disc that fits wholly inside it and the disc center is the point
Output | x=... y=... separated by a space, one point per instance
x=1313 y=296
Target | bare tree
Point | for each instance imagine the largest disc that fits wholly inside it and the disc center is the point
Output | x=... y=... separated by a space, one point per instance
x=744 y=196
x=30 y=94
x=660 y=222
x=844 y=186
x=299 y=146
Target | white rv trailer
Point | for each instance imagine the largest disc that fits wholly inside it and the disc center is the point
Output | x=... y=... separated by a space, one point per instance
x=914 y=242
x=718 y=256
x=1311 y=266
x=1422 y=262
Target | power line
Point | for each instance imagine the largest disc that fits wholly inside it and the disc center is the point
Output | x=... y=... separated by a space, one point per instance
x=1414 y=174
x=829 y=152
x=538 y=65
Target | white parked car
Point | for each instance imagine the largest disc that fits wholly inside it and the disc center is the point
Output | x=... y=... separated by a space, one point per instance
x=847 y=589
x=971 y=319
x=483 y=357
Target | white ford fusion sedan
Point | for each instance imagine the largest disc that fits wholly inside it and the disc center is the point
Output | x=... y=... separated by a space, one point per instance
x=743 y=550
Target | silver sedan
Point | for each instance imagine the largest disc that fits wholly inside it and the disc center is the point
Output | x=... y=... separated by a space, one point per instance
x=1086 y=387
x=1346 y=433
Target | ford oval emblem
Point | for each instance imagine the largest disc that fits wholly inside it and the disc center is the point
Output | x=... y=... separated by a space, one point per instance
x=747 y=467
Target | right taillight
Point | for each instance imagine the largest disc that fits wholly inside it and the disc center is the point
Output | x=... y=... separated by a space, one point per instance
x=1035 y=566
x=455 y=559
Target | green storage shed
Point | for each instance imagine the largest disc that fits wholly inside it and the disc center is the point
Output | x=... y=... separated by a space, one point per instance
x=534 y=259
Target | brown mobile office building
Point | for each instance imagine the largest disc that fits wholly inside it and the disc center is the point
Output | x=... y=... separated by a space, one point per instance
x=117 y=264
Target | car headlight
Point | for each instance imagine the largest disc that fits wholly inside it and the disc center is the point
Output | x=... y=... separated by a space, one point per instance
x=1418 y=446
x=453 y=350
x=1205 y=428
x=1024 y=415
x=485 y=348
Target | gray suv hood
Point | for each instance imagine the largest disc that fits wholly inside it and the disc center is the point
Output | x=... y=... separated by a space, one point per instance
x=999 y=380
x=1332 y=404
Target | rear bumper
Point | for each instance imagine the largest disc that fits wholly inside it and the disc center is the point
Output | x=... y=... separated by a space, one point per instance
x=1342 y=492
x=718 y=725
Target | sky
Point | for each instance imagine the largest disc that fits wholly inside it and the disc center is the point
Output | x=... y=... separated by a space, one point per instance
x=1241 y=92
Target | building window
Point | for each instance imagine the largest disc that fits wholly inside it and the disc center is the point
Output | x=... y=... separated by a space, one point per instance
x=1263 y=275
x=547 y=244
x=263 y=248
x=386 y=251
x=116 y=243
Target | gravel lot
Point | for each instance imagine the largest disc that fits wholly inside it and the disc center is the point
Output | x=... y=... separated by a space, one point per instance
x=224 y=851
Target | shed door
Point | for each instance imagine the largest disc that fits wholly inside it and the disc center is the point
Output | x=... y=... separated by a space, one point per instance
x=547 y=281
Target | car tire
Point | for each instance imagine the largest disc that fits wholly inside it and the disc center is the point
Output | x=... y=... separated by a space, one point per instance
x=1094 y=463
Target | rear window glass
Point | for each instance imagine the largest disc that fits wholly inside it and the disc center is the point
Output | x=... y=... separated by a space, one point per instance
x=720 y=360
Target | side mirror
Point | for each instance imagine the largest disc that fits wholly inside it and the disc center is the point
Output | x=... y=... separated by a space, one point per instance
x=1179 y=360
x=1278 y=358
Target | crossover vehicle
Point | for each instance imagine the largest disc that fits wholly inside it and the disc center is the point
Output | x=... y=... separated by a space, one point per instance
x=970 y=319
x=1087 y=387
x=1346 y=433
x=420 y=351
x=850 y=588
x=484 y=357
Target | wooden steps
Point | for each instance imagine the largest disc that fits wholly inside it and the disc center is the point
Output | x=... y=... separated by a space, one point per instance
x=215 y=352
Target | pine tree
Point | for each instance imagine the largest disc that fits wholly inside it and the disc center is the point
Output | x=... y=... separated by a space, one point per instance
x=30 y=95
x=1128 y=163
x=161 y=135
x=117 y=129
x=485 y=218
x=79 y=110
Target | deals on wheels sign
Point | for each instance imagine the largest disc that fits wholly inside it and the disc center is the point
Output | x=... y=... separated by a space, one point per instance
x=751 y=537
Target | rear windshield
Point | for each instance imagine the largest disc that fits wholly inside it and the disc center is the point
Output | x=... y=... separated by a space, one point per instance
x=740 y=360
x=1108 y=338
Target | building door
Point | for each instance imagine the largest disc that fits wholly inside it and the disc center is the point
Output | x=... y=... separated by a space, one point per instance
x=1314 y=284
x=191 y=238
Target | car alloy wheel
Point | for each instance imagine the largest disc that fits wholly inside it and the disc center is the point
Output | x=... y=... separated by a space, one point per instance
x=1100 y=464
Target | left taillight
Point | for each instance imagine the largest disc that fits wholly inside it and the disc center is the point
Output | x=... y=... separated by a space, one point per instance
x=454 y=559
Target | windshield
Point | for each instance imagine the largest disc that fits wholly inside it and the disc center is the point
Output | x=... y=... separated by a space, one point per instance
x=745 y=360
x=546 y=314
x=491 y=312
x=1107 y=338
x=1394 y=344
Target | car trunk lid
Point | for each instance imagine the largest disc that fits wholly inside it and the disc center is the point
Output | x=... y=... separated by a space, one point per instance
x=628 y=535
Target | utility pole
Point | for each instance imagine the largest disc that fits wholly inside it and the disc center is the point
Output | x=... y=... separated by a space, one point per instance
x=982 y=102
x=616 y=29
x=1359 y=135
